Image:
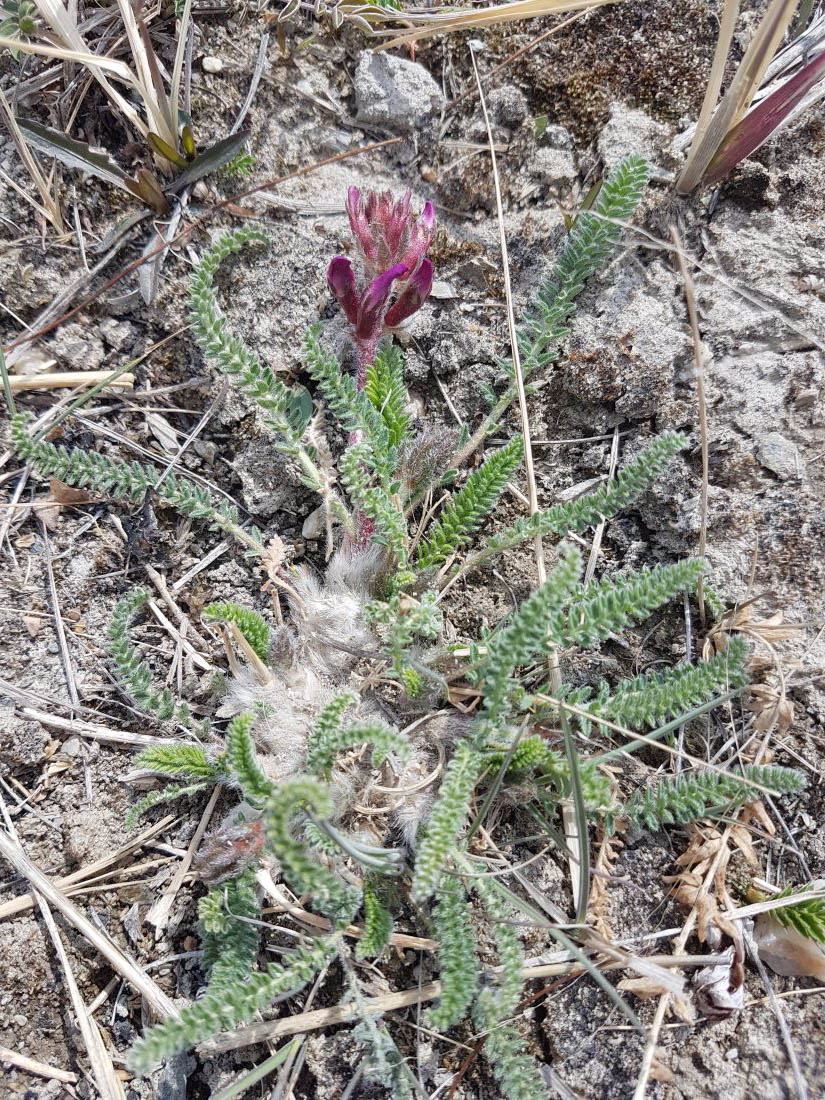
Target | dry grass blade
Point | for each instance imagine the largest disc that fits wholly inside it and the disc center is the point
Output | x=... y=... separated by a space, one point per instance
x=774 y=112
x=730 y=14
x=427 y=24
x=103 y=1071
x=26 y=901
x=50 y=208
x=739 y=96
x=160 y=1004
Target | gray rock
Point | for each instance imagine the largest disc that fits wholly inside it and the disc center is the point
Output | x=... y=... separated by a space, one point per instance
x=557 y=137
x=629 y=131
x=779 y=455
x=117 y=334
x=267 y=484
x=555 y=167
x=78 y=347
x=508 y=106
x=390 y=91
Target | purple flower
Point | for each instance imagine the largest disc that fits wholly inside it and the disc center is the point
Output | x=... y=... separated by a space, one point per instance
x=386 y=231
x=393 y=243
x=412 y=297
x=373 y=303
x=341 y=281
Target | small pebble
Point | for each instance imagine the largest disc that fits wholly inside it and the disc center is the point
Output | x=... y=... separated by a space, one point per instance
x=212 y=65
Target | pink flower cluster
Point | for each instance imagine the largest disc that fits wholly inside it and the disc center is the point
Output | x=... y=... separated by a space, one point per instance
x=393 y=245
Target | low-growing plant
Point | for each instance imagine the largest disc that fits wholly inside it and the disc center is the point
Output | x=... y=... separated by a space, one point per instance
x=294 y=749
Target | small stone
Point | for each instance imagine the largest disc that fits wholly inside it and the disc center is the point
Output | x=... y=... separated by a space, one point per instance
x=314 y=525
x=391 y=91
x=20 y=1019
x=442 y=292
x=212 y=65
x=806 y=399
x=71 y=747
x=780 y=456
x=556 y=137
x=508 y=106
x=205 y=449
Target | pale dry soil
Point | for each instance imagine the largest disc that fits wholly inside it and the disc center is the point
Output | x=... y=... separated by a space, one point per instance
x=626 y=366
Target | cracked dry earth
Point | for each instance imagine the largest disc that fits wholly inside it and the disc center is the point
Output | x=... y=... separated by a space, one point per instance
x=609 y=85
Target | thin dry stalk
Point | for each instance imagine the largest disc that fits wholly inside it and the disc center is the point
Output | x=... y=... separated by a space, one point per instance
x=26 y=901
x=70 y=379
x=427 y=24
x=699 y=366
x=158 y=915
x=161 y=1005
x=599 y=532
x=58 y=619
x=568 y=815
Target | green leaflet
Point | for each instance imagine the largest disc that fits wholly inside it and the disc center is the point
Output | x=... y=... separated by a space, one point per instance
x=695 y=795
x=249 y=622
x=132 y=480
x=240 y=755
x=231 y=1005
x=806 y=916
x=448 y=817
x=133 y=673
x=387 y=393
x=470 y=506
x=286 y=411
x=457 y=961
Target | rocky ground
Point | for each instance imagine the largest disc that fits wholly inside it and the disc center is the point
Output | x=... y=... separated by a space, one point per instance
x=625 y=79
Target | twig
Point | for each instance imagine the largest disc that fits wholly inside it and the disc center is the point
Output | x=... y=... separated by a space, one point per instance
x=97 y=733
x=69 y=379
x=58 y=619
x=257 y=73
x=176 y=634
x=182 y=618
x=29 y=1065
x=160 y=1004
x=199 y=566
x=690 y=299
